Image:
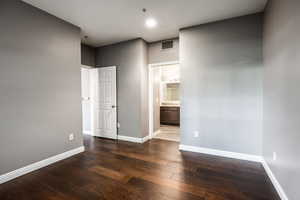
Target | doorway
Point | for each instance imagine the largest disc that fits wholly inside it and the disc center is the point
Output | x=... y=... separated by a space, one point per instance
x=101 y=116
x=86 y=86
x=164 y=101
x=104 y=100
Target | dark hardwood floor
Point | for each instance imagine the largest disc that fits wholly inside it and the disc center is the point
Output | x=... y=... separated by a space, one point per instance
x=154 y=170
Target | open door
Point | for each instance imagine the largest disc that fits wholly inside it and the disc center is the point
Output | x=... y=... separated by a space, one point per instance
x=86 y=100
x=104 y=100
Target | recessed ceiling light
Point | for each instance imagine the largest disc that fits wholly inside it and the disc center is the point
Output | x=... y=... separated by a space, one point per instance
x=151 y=23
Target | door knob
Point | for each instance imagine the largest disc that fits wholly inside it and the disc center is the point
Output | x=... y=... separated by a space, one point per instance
x=113 y=106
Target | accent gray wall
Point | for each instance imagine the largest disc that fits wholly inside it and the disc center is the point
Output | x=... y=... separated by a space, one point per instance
x=221 y=85
x=144 y=115
x=40 y=85
x=131 y=60
x=88 y=55
x=157 y=55
x=281 y=93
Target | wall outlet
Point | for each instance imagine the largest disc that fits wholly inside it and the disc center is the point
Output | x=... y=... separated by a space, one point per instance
x=196 y=134
x=274 y=156
x=118 y=125
x=71 y=137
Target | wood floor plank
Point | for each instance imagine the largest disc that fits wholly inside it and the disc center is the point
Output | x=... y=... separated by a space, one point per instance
x=142 y=157
x=155 y=170
x=111 y=173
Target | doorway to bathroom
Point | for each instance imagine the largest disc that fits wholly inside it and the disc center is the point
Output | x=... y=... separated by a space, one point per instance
x=164 y=101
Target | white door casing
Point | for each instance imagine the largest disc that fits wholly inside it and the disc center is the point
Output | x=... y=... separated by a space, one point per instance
x=104 y=101
x=86 y=100
x=150 y=94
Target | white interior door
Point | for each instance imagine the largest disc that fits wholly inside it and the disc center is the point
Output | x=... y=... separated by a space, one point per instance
x=86 y=101
x=104 y=100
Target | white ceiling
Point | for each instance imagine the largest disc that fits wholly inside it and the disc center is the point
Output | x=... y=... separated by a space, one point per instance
x=110 y=21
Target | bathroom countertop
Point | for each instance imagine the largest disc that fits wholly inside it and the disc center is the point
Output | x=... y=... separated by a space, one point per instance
x=170 y=105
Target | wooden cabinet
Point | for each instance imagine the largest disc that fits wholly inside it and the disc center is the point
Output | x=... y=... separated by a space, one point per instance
x=170 y=115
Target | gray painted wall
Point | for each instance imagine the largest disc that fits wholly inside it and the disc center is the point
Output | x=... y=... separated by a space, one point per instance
x=281 y=93
x=157 y=55
x=144 y=115
x=40 y=85
x=88 y=55
x=221 y=85
x=131 y=61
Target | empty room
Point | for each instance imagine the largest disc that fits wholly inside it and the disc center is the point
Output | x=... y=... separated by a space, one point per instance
x=149 y=100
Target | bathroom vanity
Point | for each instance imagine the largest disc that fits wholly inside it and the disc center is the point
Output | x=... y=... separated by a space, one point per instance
x=170 y=115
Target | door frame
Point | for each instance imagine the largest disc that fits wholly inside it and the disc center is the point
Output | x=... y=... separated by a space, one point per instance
x=93 y=125
x=150 y=92
x=90 y=85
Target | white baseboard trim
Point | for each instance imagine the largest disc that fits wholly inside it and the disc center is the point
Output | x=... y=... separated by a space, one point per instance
x=273 y=179
x=156 y=133
x=133 y=139
x=215 y=152
x=145 y=139
x=35 y=166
